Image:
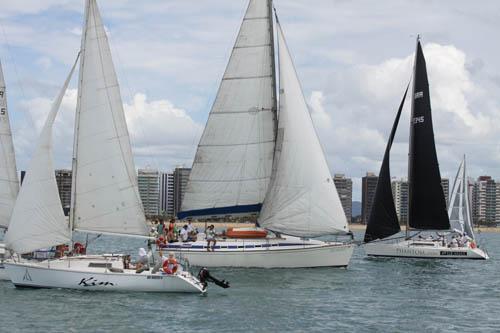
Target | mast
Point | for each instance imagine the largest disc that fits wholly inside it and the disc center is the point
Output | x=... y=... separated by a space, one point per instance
x=410 y=140
x=77 y=123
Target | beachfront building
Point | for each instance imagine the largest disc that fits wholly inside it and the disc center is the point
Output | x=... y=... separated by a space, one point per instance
x=369 y=185
x=181 y=177
x=149 y=190
x=344 y=189
x=167 y=193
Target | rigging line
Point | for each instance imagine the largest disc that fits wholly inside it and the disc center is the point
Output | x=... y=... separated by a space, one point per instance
x=21 y=87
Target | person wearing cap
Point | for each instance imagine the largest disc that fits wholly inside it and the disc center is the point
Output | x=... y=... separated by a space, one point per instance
x=184 y=233
x=210 y=237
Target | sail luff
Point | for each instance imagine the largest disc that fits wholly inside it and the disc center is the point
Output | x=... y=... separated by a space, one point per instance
x=38 y=219
x=427 y=204
x=106 y=191
x=383 y=221
x=233 y=161
x=302 y=199
x=9 y=183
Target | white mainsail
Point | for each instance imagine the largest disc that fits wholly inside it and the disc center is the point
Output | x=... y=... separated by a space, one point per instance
x=37 y=218
x=459 y=209
x=105 y=191
x=9 y=183
x=302 y=199
x=233 y=163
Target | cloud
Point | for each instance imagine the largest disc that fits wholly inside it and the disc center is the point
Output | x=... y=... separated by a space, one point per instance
x=162 y=135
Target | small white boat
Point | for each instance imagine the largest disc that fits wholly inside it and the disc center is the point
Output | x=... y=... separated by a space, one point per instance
x=105 y=195
x=427 y=210
x=257 y=159
x=103 y=273
x=269 y=252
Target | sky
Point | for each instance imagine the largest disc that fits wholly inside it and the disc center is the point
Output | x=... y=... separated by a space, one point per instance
x=354 y=60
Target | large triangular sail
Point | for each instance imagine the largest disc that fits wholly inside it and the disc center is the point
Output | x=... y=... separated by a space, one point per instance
x=105 y=191
x=302 y=199
x=427 y=204
x=459 y=210
x=383 y=221
x=37 y=218
x=233 y=162
x=9 y=183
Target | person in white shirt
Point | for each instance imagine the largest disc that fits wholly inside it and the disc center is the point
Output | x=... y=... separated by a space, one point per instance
x=184 y=234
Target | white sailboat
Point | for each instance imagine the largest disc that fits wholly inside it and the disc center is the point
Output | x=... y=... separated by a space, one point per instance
x=427 y=205
x=105 y=197
x=254 y=159
x=9 y=183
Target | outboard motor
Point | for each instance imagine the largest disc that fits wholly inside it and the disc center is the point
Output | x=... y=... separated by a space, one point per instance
x=205 y=277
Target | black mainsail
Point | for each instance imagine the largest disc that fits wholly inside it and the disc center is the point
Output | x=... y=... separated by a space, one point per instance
x=427 y=204
x=383 y=221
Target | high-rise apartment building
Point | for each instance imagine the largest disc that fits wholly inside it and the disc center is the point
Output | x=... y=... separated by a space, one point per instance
x=400 y=195
x=167 y=193
x=484 y=201
x=344 y=189
x=63 y=179
x=445 y=183
x=369 y=185
x=149 y=190
x=181 y=177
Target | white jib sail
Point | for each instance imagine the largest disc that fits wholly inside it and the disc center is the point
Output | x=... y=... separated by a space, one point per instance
x=233 y=163
x=106 y=196
x=9 y=183
x=37 y=218
x=459 y=210
x=302 y=198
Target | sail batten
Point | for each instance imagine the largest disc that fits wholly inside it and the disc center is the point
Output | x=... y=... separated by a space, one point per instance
x=9 y=183
x=233 y=161
x=38 y=219
x=302 y=199
x=427 y=204
x=106 y=196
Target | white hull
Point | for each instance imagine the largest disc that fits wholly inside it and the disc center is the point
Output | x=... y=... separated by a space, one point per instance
x=3 y=274
x=57 y=274
x=422 y=249
x=287 y=252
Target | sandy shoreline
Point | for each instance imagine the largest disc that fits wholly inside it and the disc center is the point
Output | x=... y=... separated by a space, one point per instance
x=353 y=227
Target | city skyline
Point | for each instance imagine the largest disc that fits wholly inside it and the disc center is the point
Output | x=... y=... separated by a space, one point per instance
x=353 y=84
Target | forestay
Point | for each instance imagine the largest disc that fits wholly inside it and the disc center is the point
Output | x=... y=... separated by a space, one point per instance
x=302 y=198
x=9 y=183
x=106 y=196
x=233 y=162
x=459 y=209
x=37 y=218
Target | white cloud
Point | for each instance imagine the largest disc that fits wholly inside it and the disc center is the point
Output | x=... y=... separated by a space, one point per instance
x=162 y=135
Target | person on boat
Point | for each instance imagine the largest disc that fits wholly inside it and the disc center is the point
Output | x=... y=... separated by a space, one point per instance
x=142 y=263
x=161 y=228
x=172 y=232
x=184 y=234
x=454 y=242
x=210 y=237
x=192 y=232
x=126 y=261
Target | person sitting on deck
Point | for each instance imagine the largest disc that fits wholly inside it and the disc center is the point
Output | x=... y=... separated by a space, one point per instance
x=142 y=263
x=192 y=232
x=210 y=237
x=454 y=242
x=184 y=233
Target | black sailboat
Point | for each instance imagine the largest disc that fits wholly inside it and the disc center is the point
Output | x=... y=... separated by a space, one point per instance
x=427 y=204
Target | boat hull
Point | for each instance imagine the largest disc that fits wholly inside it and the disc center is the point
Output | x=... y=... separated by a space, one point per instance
x=39 y=275
x=265 y=253
x=3 y=273
x=423 y=250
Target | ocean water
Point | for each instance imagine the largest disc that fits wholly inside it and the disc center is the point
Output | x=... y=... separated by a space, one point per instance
x=372 y=295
